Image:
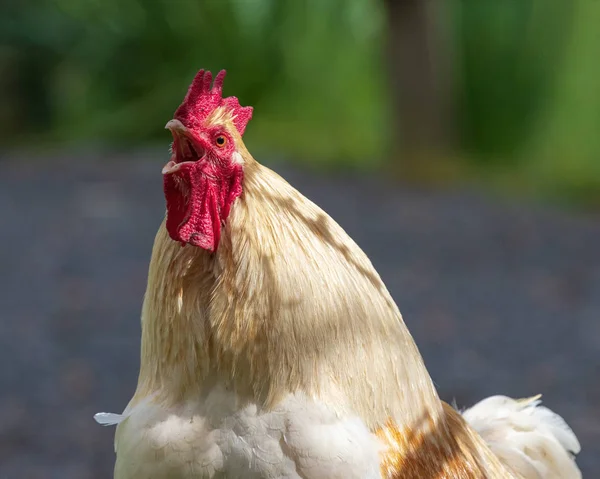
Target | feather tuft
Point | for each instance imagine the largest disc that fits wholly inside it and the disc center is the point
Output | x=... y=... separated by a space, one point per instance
x=108 y=418
x=532 y=440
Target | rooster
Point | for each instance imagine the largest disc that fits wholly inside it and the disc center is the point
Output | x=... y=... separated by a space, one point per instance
x=272 y=349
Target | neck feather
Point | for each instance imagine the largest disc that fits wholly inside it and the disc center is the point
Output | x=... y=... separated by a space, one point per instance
x=287 y=303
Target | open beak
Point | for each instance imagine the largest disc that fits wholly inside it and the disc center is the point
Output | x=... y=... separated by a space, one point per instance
x=185 y=149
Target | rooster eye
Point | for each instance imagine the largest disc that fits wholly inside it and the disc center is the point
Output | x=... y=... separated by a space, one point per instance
x=221 y=141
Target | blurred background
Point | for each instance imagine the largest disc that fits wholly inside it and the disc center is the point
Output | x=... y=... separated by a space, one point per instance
x=455 y=140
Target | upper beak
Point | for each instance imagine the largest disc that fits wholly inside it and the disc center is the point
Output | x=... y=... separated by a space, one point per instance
x=176 y=127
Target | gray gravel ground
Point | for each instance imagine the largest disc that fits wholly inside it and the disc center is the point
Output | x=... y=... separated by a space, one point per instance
x=501 y=297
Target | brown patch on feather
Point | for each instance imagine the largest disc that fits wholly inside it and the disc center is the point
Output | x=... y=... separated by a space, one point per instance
x=445 y=449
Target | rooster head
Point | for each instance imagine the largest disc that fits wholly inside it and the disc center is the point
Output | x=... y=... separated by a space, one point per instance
x=204 y=174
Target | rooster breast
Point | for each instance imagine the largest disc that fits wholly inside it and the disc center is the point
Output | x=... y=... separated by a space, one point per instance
x=219 y=438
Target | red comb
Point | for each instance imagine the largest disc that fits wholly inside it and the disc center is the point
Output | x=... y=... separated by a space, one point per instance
x=201 y=100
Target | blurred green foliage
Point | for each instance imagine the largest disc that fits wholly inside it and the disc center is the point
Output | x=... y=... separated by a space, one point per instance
x=526 y=94
x=78 y=71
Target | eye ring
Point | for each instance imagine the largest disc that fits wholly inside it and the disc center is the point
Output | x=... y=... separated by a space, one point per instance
x=221 y=141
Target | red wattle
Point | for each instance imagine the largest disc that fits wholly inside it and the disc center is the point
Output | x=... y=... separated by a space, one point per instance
x=199 y=201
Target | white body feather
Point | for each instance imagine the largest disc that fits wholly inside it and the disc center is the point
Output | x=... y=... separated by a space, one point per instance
x=215 y=437
x=531 y=439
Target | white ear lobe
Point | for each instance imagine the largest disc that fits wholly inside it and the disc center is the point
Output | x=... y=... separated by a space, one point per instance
x=237 y=158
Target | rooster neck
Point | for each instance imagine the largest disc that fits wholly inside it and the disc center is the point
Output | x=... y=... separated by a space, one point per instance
x=174 y=351
x=299 y=306
x=287 y=303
